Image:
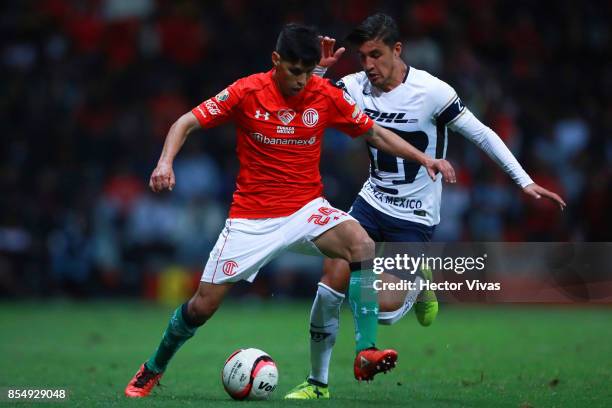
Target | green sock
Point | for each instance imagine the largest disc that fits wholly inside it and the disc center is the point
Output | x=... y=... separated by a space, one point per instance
x=364 y=305
x=177 y=333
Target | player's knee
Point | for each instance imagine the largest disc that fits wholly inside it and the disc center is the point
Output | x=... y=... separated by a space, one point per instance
x=360 y=248
x=388 y=305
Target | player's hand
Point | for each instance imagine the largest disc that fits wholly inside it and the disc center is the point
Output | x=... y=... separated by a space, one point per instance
x=435 y=166
x=162 y=178
x=328 y=56
x=538 y=192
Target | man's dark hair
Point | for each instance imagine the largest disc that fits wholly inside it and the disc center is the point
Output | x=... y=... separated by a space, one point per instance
x=376 y=27
x=297 y=42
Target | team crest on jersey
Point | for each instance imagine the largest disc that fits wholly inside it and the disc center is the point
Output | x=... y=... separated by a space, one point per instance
x=348 y=98
x=229 y=268
x=222 y=96
x=310 y=117
x=286 y=115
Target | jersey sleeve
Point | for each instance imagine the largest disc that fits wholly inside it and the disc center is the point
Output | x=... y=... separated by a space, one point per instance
x=220 y=109
x=485 y=138
x=447 y=106
x=341 y=83
x=348 y=85
x=345 y=115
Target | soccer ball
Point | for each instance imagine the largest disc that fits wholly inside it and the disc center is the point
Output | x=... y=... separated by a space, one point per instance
x=249 y=374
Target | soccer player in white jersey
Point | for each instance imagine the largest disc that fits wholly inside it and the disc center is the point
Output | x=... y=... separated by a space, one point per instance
x=398 y=202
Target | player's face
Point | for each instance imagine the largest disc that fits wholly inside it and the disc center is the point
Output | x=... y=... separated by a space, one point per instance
x=378 y=60
x=291 y=77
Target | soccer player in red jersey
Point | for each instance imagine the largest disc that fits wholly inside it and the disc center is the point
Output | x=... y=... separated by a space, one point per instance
x=280 y=118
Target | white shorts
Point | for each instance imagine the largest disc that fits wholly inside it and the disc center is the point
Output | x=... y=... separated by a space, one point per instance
x=246 y=245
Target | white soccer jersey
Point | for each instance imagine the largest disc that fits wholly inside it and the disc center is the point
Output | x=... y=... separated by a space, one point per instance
x=419 y=111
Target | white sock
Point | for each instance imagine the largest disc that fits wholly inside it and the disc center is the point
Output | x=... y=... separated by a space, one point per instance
x=389 y=318
x=324 y=323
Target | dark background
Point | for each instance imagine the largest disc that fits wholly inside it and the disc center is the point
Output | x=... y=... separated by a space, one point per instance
x=90 y=87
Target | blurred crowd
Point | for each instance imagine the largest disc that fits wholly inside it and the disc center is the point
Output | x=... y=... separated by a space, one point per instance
x=90 y=87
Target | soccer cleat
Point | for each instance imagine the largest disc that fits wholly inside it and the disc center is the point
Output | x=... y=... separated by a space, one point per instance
x=142 y=383
x=426 y=306
x=372 y=361
x=308 y=391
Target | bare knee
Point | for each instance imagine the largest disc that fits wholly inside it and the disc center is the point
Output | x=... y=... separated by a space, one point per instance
x=389 y=305
x=360 y=248
x=391 y=300
x=348 y=241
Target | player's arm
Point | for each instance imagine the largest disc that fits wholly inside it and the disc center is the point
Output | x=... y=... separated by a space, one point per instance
x=388 y=142
x=486 y=139
x=163 y=176
x=210 y=113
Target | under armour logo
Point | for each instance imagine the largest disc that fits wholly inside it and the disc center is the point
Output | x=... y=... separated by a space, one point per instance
x=365 y=310
x=363 y=362
x=265 y=115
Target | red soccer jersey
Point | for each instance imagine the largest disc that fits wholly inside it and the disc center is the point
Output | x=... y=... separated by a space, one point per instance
x=279 y=140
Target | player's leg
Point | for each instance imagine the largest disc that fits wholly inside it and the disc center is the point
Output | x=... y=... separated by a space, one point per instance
x=183 y=324
x=327 y=231
x=363 y=301
x=361 y=294
x=350 y=242
x=396 y=304
x=324 y=324
x=185 y=321
x=324 y=318
x=242 y=248
x=334 y=271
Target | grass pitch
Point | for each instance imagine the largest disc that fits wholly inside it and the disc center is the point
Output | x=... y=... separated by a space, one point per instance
x=486 y=356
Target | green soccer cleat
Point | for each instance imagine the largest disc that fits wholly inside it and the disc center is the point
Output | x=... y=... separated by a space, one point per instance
x=426 y=306
x=308 y=391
